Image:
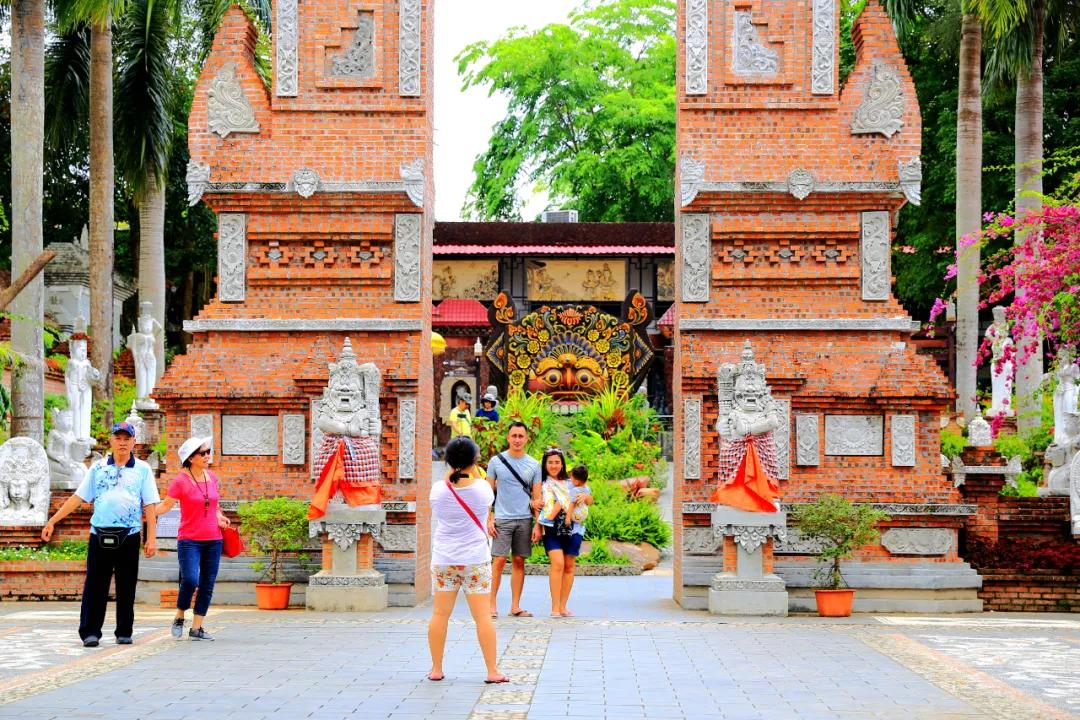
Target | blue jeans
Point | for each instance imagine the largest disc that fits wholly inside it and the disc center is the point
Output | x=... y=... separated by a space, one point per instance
x=199 y=561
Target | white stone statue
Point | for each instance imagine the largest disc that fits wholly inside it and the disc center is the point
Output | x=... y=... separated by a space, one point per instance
x=145 y=343
x=1065 y=395
x=1062 y=455
x=1074 y=494
x=1001 y=379
x=138 y=423
x=979 y=434
x=24 y=483
x=66 y=452
x=78 y=380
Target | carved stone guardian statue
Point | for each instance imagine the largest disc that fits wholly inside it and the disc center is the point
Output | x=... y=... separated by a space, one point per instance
x=979 y=433
x=348 y=416
x=1065 y=395
x=78 y=381
x=1002 y=371
x=66 y=453
x=145 y=345
x=1062 y=457
x=24 y=483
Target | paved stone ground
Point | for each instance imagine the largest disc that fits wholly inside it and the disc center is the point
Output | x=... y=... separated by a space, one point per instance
x=630 y=653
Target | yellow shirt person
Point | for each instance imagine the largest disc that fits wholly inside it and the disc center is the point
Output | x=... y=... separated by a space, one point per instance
x=460 y=419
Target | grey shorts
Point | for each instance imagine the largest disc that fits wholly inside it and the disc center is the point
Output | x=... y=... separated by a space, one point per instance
x=512 y=537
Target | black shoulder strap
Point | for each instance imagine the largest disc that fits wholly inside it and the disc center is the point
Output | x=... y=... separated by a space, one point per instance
x=513 y=472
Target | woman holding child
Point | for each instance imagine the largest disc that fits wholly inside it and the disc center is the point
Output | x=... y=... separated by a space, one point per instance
x=566 y=501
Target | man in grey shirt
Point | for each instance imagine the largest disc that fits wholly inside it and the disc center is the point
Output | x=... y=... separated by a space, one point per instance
x=516 y=505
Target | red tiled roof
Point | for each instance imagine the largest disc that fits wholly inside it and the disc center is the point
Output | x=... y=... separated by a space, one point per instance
x=563 y=235
x=553 y=250
x=459 y=313
x=668 y=318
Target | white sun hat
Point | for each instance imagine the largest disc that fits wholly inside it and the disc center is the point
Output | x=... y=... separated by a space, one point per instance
x=191 y=445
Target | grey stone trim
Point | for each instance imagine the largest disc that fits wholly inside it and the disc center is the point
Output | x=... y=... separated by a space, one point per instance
x=286 y=34
x=232 y=257
x=749 y=529
x=298 y=325
x=726 y=582
x=696 y=257
x=697 y=47
x=823 y=57
x=911 y=179
x=345 y=534
x=882 y=107
x=202 y=425
x=293 y=430
x=412 y=175
x=227 y=107
x=398 y=538
x=375 y=579
x=854 y=435
x=691 y=177
x=902 y=324
x=198 y=177
x=918 y=541
x=407 y=438
x=876 y=251
x=769 y=186
x=796 y=544
x=371 y=186
x=407 y=241
x=749 y=55
x=405 y=506
x=902 y=436
x=782 y=438
x=692 y=437
x=800 y=183
x=249 y=434
x=409 y=48
x=959 y=509
x=807 y=440
x=700 y=541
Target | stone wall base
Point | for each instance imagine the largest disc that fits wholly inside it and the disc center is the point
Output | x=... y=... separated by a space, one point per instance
x=731 y=596
x=347 y=598
x=37 y=580
x=1031 y=590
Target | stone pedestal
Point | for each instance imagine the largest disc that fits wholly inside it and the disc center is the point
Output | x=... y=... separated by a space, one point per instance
x=348 y=581
x=747 y=585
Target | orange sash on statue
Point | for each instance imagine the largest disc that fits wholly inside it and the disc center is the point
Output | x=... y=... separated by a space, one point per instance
x=332 y=479
x=751 y=488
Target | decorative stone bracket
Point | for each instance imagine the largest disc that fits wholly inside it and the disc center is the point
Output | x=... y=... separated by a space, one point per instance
x=960 y=471
x=750 y=530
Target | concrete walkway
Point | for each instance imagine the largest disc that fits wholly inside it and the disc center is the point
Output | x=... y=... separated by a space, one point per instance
x=630 y=653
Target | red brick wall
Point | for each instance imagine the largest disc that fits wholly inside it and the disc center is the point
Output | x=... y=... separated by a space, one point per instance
x=1030 y=591
x=34 y=580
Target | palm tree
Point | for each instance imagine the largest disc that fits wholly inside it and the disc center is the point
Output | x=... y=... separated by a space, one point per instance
x=27 y=139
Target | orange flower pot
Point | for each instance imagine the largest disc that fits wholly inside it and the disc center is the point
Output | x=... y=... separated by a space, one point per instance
x=272 y=597
x=834 y=603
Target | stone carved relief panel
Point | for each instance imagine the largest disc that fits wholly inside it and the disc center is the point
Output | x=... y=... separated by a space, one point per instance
x=902 y=437
x=232 y=257
x=697 y=47
x=357 y=60
x=782 y=438
x=412 y=174
x=227 y=107
x=823 y=61
x=202 y=426
x=875 y=249
x=692 y=437
x=249 y=434
x=198 y=177
x=407 y=438
x=696 y=256
x=691 y=176
x=286 y=34
x=860 y=435
x=701 y=541
x=24 y=483
x=407 y=229
x=918 y=541
x=409 y=47
x=750 y=56
x=910 y=173
x=882 y=107
x=807 y=440
x=293 y=434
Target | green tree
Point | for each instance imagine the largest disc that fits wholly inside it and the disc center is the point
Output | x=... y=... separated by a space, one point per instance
x=591 y=114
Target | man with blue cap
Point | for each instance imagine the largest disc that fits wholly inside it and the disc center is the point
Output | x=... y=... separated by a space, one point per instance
x=120 y=486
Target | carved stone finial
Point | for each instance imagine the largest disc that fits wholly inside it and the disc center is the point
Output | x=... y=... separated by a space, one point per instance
x=979 y=434
x=800 y=183
x=228 y=109
x=198 y=177
x=412 y=174
x=306 y=181
x=691 y=178
x=911 y=180
x=882 y=106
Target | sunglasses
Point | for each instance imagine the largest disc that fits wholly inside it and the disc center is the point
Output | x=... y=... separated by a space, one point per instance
x=201 y=452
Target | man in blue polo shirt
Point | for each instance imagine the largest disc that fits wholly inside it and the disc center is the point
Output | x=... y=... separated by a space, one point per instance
x=120 y=487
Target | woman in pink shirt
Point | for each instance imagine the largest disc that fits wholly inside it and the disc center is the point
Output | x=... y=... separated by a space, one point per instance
x=198 y=544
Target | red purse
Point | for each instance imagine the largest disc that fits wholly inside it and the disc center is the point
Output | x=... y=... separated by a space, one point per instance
x=232 y=544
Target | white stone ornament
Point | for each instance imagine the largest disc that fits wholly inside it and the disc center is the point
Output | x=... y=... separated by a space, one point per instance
x=1074 y=494
x=979 y=434
x=358 y=59
x=807 y=440
x=232 y=257
x=911 y=180
x=800 y=183
x=823 y=60
x=198 y=178
x=692 y=438
x=227 y=108
x=882 y=107
x=750 y=55
x=145 y=342
x=918 y=541
x=691 y=177
x=856 y=435
x=293 y=428
x=696 y=256
x=66 y=452
x=407 y=269
x=350 y=403
x=902 y=437
x=249 y=434
x=286 y=37
x=409 y=48
x=202 y=425
x=1002 y=371
x=875 y=250
x=1066 y=394
x=306 y=181
x=24 y=483
x=412 y=174
x=697 y=47
x=407 y=438
x=79 y=377
x=782 y=438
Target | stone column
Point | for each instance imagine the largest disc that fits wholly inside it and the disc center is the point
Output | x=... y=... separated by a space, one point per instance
x=747 y=586
x=348 y=581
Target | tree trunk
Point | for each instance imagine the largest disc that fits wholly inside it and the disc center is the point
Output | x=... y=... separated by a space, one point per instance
x=968 y=210
x=101 y=209
x=152 y=255
x=27 y=138
x=1029 y=187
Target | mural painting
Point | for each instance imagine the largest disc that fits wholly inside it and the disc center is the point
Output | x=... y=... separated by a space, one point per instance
x=592 y=281
x=665 y=281
x=465 y=279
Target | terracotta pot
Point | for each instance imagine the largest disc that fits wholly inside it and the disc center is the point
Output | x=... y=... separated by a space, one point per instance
x=834 y=603
x=272 y=597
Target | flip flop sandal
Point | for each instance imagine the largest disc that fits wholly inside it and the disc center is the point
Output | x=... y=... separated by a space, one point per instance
x=502 y=679
x=522 y=613
x=436 y=679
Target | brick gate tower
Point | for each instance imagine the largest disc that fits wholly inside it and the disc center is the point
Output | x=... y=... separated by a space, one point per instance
x=790 y=183
x=321 y=181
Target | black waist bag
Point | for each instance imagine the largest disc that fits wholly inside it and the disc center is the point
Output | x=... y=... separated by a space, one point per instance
x=111 y=538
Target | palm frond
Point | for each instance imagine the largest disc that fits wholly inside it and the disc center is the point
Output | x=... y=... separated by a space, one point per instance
x=1000 y=17
x=67 y=84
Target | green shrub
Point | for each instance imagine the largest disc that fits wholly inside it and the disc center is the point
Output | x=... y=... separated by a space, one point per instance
x=600 y=555
x=615 y=517
x=952 y=444
x=64 y=550
x=123 y=396
x=274 y=526
x=545 y=427
x=842 y=527
x=53 y=401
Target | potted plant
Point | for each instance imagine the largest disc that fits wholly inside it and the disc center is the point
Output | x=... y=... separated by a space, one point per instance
x=273 y=526
x=841 y=527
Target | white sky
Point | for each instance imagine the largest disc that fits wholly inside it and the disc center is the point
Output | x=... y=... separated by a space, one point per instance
x=463 y=120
